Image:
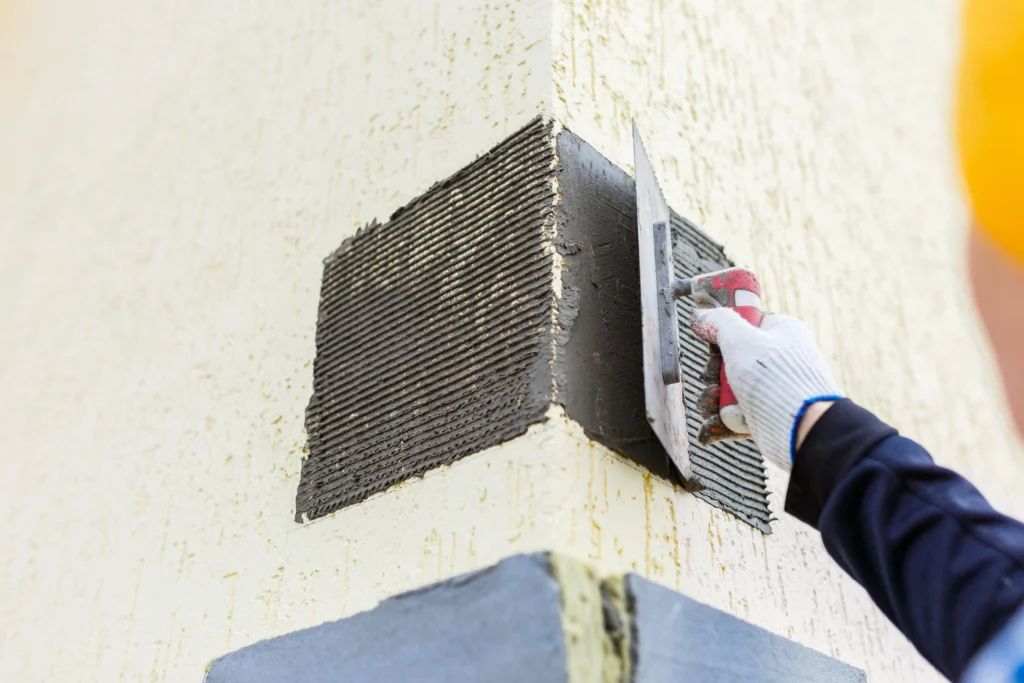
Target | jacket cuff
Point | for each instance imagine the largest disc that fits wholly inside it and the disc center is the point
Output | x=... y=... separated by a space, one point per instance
x=840 y=438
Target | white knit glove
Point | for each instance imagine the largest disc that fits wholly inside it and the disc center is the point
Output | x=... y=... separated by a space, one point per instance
x=776 y=371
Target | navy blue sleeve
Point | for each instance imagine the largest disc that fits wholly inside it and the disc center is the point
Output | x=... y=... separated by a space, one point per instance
x=944 y=566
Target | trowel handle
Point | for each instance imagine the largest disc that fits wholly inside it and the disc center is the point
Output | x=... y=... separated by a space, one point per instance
x=738 y=289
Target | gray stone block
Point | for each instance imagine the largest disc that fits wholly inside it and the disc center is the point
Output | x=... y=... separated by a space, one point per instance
x=500 y=624
x=538 y=619
x=679 y=639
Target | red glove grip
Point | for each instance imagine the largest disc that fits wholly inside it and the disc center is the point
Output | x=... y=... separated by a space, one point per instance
x=729 y=407
x=738 y=289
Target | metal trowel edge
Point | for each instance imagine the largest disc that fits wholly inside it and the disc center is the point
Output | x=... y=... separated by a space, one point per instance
x=663 y=392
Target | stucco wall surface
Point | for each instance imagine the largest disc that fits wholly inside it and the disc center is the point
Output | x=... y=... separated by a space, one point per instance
x=172 y=174
x=813 y=140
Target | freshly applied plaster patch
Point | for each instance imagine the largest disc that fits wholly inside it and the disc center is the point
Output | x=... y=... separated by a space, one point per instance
x=510 y=286
x=603 y=357
x=434 y=330
x=601 y=368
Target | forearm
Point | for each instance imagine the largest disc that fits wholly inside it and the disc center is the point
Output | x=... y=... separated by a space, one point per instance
x=935 y=557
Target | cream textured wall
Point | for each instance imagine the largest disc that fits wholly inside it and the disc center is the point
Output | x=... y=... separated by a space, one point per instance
x=171 y=174
x=813 y=140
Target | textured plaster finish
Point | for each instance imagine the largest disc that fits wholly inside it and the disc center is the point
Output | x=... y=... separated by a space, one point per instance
x=434 y=334
x=173 y=173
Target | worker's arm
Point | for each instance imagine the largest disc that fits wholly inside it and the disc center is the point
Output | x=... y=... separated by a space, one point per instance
x=935 y=557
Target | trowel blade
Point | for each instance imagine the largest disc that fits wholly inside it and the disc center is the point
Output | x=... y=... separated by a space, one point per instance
x=663 y=391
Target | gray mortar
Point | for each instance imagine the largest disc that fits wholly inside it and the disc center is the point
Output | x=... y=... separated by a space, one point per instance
x=439 y=333
x=601 y=374
x=434 y=329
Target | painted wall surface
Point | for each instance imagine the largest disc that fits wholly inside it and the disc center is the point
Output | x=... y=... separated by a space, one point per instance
x=172 y=174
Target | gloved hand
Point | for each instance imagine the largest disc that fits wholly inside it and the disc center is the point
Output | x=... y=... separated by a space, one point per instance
x=776 y=371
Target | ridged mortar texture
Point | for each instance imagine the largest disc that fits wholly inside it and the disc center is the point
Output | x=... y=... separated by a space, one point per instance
x=434 y=330
x=734 y=469
x=440 y=333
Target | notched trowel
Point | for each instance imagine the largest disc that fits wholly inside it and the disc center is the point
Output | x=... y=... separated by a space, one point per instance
x=663 y=392
x=735 y=288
